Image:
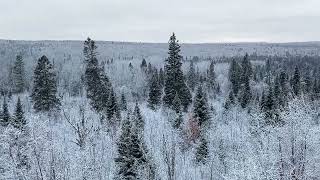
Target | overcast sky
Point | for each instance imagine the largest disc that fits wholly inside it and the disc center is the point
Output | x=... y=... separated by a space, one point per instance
x=154 y=20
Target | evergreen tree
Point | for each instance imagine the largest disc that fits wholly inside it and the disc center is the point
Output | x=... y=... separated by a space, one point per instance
x=143 y=65
x=176 y=104
x=44 y=87
x=202 y=151
x=234 y=77
x=5 y=119
x=230 y=101
x=246 y=94
x=154 y=99
x=192 y=77
x=177 y=108
x=174 y=81
x=277 y=92
x=270 y=109
x=112 y=110
x=19 y=120
x=296 y=82
x=19 y=75
x=246 y=69
x=283 y=81
x=123 y=103
x=132 y=160
x=211 y=76
x=137 y=118
x=201 y=108
x=97 y=82
x=161 y=78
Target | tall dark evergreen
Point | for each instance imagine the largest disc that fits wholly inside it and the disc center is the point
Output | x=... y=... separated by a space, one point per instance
x=191 y=79
x=230 y=101
x=246 y=94
x=5 y=116
x=177 y=108
x=154 y=99
x=18 y=75
x=161 y=78
x=97 y=82
x=202 y=152
x=137 y=118
x=133 y=160
x=235 y=76
x=123 y=103
x=296 y=82
x=246 y=69
x=112 y=109
x=211 y=77
x=270 y=109
x=201 y=108
x=174 y=81
x=19 y=120
x=44 y=93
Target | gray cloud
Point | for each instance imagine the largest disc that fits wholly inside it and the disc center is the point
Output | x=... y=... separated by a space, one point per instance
x=153 y=21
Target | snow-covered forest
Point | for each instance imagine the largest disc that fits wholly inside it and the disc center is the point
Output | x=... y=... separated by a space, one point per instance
x=90 y=110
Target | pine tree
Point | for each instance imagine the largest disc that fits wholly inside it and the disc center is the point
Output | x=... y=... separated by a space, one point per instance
x=202 y=151
x=112 y=110
x=234 y=77
x=19 y=120
x=296 y=82
x=5 y=119
x=201 y=108
x=123 y=103
x=154 y=99
x=174 y=81
x=44 y=87
x=19 y=75
x=191 y=77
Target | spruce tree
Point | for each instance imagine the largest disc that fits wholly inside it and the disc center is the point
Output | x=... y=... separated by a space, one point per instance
x=44 y=93
x=123 y=104
x=19 y=75
x=201 y=108
x=5 y=119
x=19 y=120
x=191 y=79
x=132 y=160
x=112 y=110
x=154 y=99
x=211 y=76
x=202 y=151
x=234 y=77
x=174 y=81
x=296 y=82
x=178 y=112
x=230 y=101
x=97 y=82
x=161 y=78
x=137 y=118
x=246 y=94
x=246 y=69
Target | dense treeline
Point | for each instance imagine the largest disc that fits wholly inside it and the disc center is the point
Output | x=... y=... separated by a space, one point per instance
x=232 y=115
